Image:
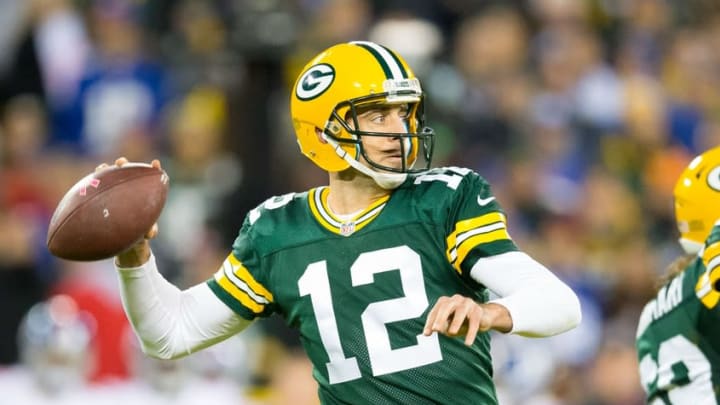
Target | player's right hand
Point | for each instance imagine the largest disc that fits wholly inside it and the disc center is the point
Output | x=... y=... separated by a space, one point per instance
x=139 y=253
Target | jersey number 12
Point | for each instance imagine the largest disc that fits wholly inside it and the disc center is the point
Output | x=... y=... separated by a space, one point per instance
x=383 y=358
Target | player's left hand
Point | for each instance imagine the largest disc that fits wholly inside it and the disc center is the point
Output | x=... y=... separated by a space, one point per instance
x=462 y=316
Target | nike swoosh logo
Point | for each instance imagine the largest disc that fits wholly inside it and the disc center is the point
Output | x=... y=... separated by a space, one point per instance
x=484 y=201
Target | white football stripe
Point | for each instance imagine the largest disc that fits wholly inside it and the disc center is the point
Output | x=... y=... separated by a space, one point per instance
x=227 y=267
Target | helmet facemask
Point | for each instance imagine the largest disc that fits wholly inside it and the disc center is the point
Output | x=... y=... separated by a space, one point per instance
x=416 y=143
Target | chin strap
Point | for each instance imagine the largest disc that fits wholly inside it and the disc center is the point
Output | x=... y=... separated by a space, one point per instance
x=387 y=181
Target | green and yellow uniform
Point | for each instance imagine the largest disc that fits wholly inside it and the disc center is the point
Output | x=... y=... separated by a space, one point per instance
x=678 y=336
x=359 y=290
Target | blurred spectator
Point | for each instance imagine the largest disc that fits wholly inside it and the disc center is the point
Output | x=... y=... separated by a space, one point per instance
x=93 y=287
x=63 y=48
x=117 y=105
x=19 y=66
x=690 y=77
x=216 y=375
x=25 y=207
x=419 y=39
x=54 y=339
x=196 y=45
x=610 y=380
x=578 y=112
x=485 y=94
x=329 y=22
x=203 y=174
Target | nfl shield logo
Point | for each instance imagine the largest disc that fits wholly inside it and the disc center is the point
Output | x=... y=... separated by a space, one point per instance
x=347 y=228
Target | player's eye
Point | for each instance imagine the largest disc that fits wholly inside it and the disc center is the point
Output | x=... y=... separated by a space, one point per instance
x=379 y=117
x=376 y=116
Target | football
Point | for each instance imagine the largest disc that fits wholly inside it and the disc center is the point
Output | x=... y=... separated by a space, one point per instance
x=107 y=211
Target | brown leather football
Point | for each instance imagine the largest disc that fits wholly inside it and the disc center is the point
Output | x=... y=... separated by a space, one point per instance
x=106 y=212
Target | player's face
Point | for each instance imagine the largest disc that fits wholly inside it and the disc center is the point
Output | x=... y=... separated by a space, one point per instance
x=384 y=150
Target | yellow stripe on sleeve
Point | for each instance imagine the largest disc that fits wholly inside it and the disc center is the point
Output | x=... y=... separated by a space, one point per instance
x=468 y=225
x=472 y=223
x=238 y=294
x=470 y=243
x=705 y=292
x=710 y=252
x=242 y=273
x=711 y=260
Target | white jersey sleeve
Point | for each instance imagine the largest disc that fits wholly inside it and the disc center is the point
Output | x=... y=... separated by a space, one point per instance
x=172 y=323
x=539 y=303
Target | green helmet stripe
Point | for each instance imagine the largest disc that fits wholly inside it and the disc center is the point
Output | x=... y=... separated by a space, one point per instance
x=397 y=60
x=391 y=66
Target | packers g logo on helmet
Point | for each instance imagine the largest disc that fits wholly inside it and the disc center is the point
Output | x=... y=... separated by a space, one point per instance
x=315 y=81
x=713 y=179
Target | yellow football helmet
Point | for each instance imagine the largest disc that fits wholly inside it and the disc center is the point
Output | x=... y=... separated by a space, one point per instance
x=332 y=88
x=697 y=200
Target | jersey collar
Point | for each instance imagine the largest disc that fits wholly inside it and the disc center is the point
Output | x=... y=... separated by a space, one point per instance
x=324 y=216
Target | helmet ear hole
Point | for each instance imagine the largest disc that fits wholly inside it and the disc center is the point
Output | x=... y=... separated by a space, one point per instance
x=319 y=134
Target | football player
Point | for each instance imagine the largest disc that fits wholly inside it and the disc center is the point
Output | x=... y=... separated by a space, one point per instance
x=386 y=271
x=678 y=337
x=56 y=356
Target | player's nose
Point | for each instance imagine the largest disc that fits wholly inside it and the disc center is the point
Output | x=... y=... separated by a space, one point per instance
x=396 y=123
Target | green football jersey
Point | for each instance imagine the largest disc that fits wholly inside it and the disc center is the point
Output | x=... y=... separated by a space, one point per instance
x=359 y=290
x=678 y=336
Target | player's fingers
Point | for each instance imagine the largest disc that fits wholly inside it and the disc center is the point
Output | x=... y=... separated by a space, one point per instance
x=156 y=164
x=427 y=330
x=101 y=166
x=475 y=319
x=473 y=326
x=458 y=320
x=445 y=311
x=432 y=317
x=119 y=162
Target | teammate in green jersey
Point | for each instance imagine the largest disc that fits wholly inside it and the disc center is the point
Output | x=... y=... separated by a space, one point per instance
x=678 y=336
x=385 y=271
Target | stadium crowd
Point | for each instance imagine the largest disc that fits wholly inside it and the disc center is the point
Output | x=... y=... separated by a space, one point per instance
x=580 y=113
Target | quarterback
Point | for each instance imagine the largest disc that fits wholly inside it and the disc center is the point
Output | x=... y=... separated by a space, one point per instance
x=385 y=271
x=678 y=337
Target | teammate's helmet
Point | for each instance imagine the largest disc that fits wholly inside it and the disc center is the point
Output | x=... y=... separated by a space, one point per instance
x=54 y=340
x=697 y=200
x=334 y=86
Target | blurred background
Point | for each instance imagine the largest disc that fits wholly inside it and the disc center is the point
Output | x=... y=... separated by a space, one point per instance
x=581 y=113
